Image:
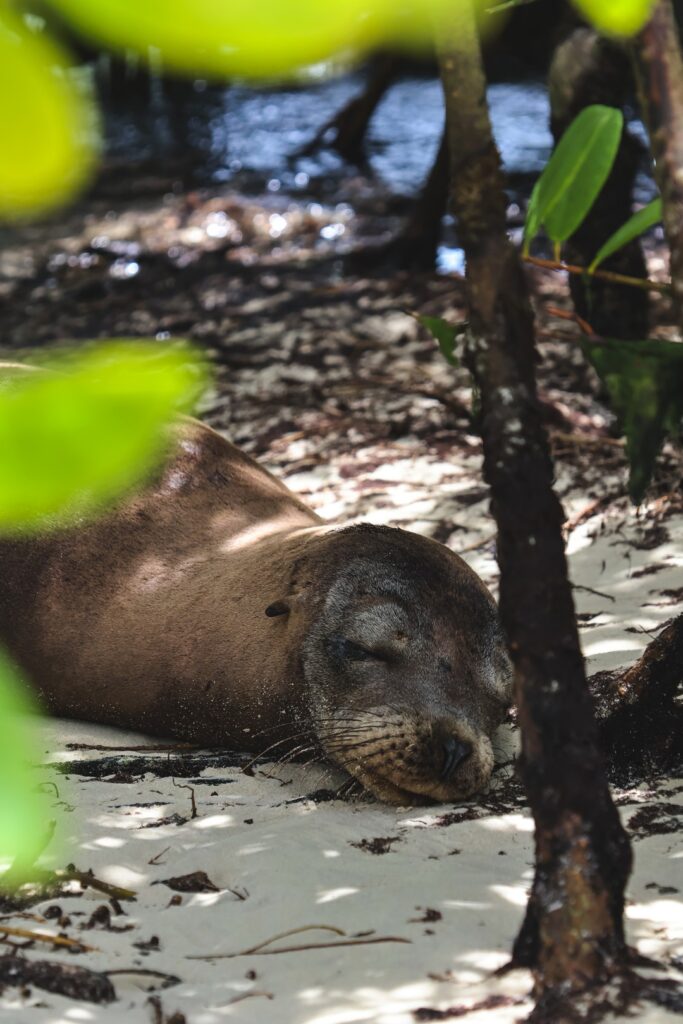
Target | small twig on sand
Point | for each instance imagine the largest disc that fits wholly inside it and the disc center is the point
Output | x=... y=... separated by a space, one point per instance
x=586 y=440
x=240 y=894
x=160 y=1017
x=586 y=513
x=260 y=949
x=86 y=878
x=55 y=940
x=249 y=995
x=303 y=948
x=157 y=858
x=596 y=593
x=193 y=802
x=157 y=1012
x=479 y=544
x=48 y=784
x=168 y=979
x=294 y=931
x=25 y=876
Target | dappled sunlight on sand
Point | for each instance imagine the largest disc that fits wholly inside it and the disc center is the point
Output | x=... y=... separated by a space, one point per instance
x=214 y=821
x=452 y=881
x=452 y=885
x=336 y=894
x=515 y=894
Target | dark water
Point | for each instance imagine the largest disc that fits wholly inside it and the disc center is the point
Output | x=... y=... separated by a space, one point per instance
x=250 y=137
x=238 y=128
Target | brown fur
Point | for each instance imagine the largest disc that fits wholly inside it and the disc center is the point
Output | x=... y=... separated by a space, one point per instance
x=379 y=644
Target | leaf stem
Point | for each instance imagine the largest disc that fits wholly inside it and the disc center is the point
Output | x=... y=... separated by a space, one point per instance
x=605 y=275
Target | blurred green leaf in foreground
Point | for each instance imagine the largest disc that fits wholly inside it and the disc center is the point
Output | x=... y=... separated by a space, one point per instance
x=253 y=38
x=47 y=123
x=70 y=443
x=616 y=17
x=21 y=809
x=48 y=117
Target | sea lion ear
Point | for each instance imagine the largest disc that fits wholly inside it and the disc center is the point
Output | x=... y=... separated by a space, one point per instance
x=277 y=608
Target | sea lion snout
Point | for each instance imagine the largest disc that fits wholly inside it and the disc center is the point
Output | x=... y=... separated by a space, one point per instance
x=407 y=668
x=405 y=757
x=451 y=754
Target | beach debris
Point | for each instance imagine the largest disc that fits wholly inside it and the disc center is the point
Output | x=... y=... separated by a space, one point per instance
x=62 y=979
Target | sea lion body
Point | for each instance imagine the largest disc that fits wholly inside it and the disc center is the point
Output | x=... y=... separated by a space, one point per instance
x=214 y=606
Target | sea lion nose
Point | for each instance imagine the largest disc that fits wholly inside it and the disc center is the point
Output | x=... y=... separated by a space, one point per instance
x=454 y=752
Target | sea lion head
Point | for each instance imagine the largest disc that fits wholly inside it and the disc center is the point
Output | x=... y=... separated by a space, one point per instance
x=405 y=666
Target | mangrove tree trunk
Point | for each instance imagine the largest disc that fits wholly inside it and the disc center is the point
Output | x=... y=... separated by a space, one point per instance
x=573 y=932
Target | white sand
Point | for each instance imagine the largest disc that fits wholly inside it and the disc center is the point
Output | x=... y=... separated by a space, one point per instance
x=296 y=865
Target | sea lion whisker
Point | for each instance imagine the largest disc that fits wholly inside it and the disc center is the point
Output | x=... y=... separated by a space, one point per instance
x=344 y=716
x=356 y=723
x=286 y=758
x=367 y=729
x=316 y=756
x=362 y=715
x=338 y=742
x=325 y=773
x=274 y=728
x=373 y=756
x=348 y=787
x=273 y=746
x=365 y=732
x=342 y=744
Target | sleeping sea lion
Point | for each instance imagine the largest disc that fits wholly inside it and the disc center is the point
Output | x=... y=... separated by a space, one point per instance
x=215 y=607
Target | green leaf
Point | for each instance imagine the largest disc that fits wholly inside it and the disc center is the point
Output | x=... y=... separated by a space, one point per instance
x=575 y=173
x=261 y=38
x=616 y=17
x=71 y=443
x=533 y=221
x=636 y=225
x=47 y=123
x=644 y=380
x=21 y=814
x=445 y=335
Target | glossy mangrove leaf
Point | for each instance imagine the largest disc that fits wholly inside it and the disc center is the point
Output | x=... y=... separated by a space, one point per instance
x=644 y=380
x=445 y=335
x=575 y=173
x=616 y=17
x=533 y=221
x=48 y=123
x=72 y=442
x=259 y=38
x=636 y=225
x=21 y=813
